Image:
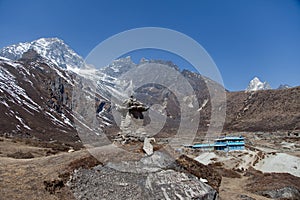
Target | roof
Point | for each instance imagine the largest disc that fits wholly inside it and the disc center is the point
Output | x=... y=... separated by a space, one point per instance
x=202 y=145
x=221 y=142
x=230 y=138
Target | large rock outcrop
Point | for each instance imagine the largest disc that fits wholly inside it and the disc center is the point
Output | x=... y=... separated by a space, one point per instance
x=144 y=179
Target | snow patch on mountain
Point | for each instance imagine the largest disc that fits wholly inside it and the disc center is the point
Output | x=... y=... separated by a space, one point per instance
x=9 y=84
x=119 y=67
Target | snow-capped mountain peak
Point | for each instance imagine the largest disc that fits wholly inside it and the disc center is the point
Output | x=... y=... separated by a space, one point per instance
x=255 y=84
x=119 y=67
x=284 y=86
x=53 y=49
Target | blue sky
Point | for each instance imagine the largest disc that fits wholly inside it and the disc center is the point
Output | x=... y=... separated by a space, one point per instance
x=244 y=38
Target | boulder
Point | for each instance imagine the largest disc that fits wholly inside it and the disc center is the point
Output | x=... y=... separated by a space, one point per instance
x=148 y=148
x=152 y=177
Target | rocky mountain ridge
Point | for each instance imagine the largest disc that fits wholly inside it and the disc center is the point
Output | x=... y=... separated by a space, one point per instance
x=36 y=99
x=255 y=84
x=53 y=49
x=34 y=86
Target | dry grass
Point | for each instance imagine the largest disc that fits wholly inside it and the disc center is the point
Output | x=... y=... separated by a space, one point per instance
x=26 y=178
x=20 y=155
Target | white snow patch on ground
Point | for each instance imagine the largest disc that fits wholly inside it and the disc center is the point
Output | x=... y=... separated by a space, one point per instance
x=189 y=101
x=205 y=158
x=3 y=58
x=81 y=122
x=61 y=75
x=22 y=122
x=67 y=120
x=203 y=105
x=55 y=120
x=248 y=160
x=106 y=123
x=266 y=149
x=237 y=159
x=281 y=163
x=288 y=145
x=4 y=103
x=105 y=118
x=73 y=69
x=8 y=84
x=13 y=64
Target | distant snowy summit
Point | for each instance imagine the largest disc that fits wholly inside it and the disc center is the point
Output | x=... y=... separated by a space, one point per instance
x=284 y=86
x=255 y=85
x=53 y=49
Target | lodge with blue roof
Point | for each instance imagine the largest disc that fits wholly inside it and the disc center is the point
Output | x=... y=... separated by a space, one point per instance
x=226 y=143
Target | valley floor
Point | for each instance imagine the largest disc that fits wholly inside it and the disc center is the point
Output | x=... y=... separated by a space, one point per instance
x=43 y=171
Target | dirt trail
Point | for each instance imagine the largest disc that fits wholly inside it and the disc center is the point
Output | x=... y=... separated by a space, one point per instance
x=234 y=189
